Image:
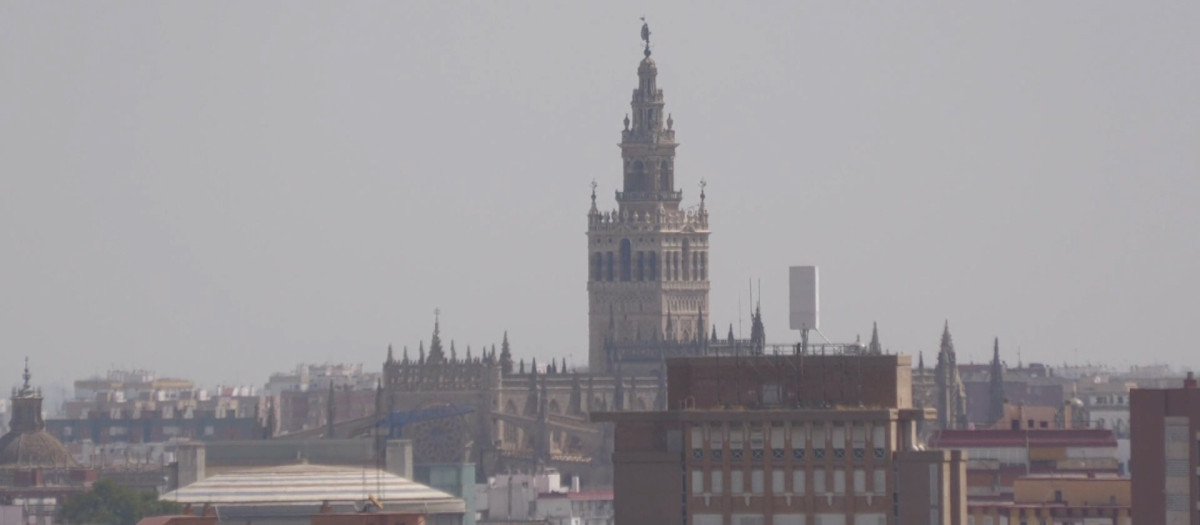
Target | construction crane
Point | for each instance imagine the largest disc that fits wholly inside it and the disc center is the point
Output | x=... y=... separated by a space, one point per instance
x=396 y=421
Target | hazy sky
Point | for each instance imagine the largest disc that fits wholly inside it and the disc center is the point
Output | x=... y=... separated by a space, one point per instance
x=219 y=190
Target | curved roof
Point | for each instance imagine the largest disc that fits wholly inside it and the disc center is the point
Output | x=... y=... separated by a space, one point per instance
x=36 y=449
x=306 y=484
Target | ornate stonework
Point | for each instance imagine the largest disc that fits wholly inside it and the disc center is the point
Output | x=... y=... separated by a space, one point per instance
x=648 y=258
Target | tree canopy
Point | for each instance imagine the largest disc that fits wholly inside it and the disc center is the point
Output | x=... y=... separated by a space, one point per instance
x=109 y=503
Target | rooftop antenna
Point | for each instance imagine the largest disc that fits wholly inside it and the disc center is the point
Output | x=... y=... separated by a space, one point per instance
x=739 y=316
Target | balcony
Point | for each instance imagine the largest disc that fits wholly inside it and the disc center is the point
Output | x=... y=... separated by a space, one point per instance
x=625 y=196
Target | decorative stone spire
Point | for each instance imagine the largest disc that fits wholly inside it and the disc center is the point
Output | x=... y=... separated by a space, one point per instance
x=952 y=403
x=874 y=348
x=390 y=359
x=506 y=360
x=758 y=333
x=996 y=385
x=594 y=211
x=436 y=354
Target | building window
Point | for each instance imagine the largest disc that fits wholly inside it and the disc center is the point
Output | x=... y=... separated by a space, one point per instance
x=756 y=481
x=716 y=485
x=819 y=481
x=716 y=441
x=737 y=442
x=736 y=483
x=697 y=482
x=777 y=442
x=839 y=481
x=757 y=442
x=860 y=481
x=831 y=519
x=788 y=519
x=798 y=481
x=777 y=482
x=858 y=441
x=770 y=394
x=799 y=436
x=880 y=481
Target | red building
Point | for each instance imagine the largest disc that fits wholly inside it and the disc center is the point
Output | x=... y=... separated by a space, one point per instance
x=784 y=440
x=1165 y=441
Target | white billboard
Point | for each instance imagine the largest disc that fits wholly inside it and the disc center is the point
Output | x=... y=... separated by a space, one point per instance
x=805 y=298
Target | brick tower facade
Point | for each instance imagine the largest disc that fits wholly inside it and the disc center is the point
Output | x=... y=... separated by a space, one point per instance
x=648 y=259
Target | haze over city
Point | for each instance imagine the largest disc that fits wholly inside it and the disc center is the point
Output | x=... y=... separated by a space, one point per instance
x=221 y=192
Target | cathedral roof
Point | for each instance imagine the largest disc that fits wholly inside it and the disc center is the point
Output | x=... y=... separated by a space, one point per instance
x=38 y=449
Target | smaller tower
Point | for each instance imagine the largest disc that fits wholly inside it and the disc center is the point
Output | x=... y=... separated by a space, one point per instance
x=874 y=348
x=506 y=360
x=436 y=354
x=996 y=385
x=951 y=402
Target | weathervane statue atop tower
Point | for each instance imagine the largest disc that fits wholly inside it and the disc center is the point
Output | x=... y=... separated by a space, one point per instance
x=646 y=36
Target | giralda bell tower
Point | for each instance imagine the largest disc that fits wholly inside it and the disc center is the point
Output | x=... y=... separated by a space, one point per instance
x=648 y=259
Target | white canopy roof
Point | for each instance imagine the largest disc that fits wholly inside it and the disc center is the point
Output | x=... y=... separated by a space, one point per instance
x=312 y=485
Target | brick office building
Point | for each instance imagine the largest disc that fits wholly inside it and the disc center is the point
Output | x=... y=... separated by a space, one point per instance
x=1165 y=440
x=784 y=440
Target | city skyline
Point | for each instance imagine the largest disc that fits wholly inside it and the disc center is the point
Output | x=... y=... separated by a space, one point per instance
x=220 y=196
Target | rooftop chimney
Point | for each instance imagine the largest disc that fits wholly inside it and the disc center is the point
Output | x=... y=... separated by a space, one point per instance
x=1190 y=381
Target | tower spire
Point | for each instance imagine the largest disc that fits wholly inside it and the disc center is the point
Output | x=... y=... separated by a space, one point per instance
x=996 y=385
x=25 y=388
x=436 y=354
x=874 y=347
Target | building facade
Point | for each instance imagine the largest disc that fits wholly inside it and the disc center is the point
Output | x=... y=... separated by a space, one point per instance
x=784 y=440
x=1165 y=440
